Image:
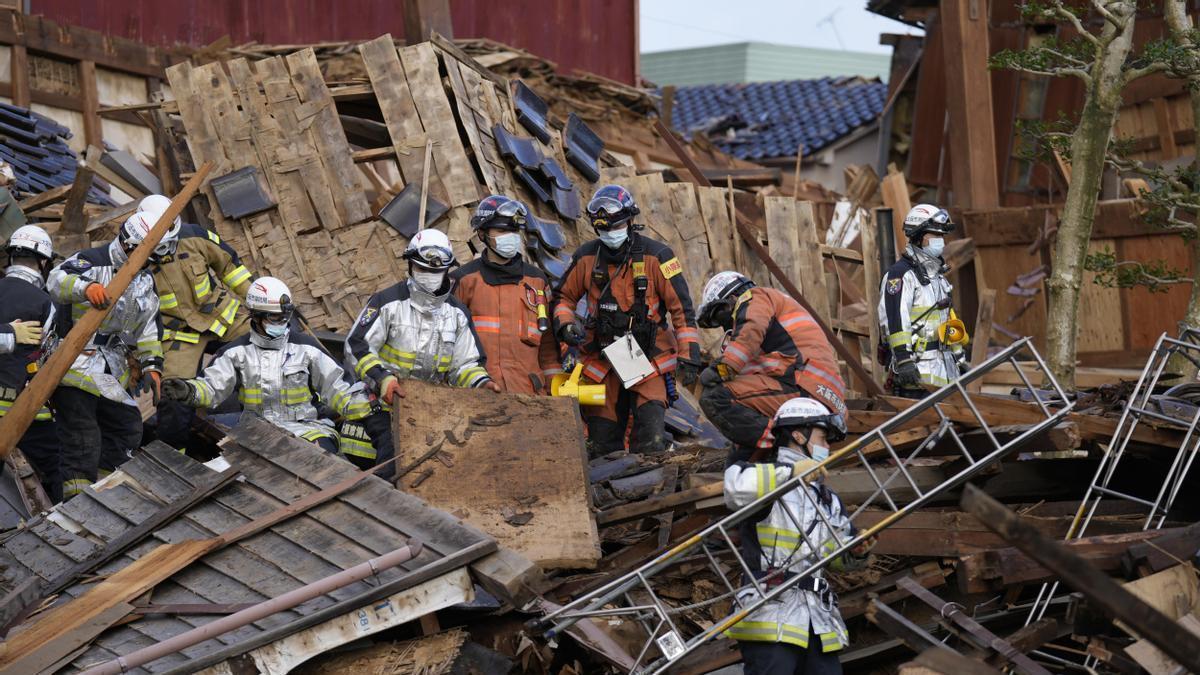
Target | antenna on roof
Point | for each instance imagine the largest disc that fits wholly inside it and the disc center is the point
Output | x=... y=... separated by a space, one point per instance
x=833 y=25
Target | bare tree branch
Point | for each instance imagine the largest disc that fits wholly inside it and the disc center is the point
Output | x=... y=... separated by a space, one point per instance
x=1056 y=72
x=1064 y=13
x=1102 y=9
x=1150 y=69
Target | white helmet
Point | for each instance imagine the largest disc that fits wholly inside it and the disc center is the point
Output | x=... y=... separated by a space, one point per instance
x=925 y=218
x=157 y=204
x=137 y=227
x=808 y=412
x=721 y=286
x=430 y=249
x=268 y=295
x=31 y=240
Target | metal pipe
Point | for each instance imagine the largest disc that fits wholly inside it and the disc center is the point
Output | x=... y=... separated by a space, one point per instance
x=262 y=610
x=885 y=240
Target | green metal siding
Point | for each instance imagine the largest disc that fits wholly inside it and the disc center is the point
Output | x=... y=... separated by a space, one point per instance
x=757 y=62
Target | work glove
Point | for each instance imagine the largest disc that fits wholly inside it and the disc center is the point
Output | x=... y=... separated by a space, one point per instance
x=390 y=388
x=571 y=333
x=710 y=377
x=177 y=389
x=862 y=548
x=687 y=372
x=805 y=464
x=151 y=381
x=491 y=385
x=27 y=332
x=907 y=375
x=97 y=295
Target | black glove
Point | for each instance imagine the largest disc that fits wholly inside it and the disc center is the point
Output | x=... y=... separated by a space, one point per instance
x=571 y=333
x=710 y=377
x=687 y=372
x=176 y=389
x=907 y=375
x=570 y=360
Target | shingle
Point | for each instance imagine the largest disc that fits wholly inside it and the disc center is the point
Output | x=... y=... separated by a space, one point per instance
x=36 y=146
x=768 y=119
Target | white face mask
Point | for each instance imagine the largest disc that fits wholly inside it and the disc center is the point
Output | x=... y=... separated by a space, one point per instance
x=275 y=330
x=508 y=245
x=936 y=246
x=819 y=452
x=430 y=282
x=614 y=238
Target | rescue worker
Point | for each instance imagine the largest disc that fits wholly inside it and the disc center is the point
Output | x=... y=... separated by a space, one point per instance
x=508 y=300
x=279 y=374
x=200 y=285
x=631 y=284
x=914 y=301
x=26 y=319
x=99 y=423
x=11 y=215
x=801 y=630
x=417 y=329
x=775 y=351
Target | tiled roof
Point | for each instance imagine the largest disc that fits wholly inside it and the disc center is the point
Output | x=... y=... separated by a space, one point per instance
x=36 y=147
x=770 y=119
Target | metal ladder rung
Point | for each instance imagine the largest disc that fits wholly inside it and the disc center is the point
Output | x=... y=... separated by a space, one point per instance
x=1130 y=498
x=1142 y=412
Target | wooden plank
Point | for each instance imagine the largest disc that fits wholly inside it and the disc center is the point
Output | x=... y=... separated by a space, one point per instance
x=74 y=219
x=894 y=190
x=450 y=159
x=872 y=282
x=329 y=138
x=973 y=153
x=1148 y=315
x=395 y=98
x=75 y=43
x=91 y=103
x=522 y=455
x=470 y=120
x=20 y=74
x=53 y=634
x=982 y=335
x=1166 y=131
x=812 y=269
x=693 y=237
x=1077 y=574
x=783 y=241
x=93 y=517
x=1096 y=331
x=43 y=199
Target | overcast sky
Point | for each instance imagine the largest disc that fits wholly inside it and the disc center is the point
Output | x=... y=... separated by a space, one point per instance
x=678 y=24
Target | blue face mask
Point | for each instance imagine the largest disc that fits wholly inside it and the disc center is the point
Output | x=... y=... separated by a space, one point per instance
x=275 y=330
x=819 y=452
x=936 y=246
x=614 y=239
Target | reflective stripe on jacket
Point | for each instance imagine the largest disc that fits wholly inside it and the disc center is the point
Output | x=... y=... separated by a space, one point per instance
x=282 y=383
x=132 y=325
x=792 y=536
x=415 y=335
x=909 y=316
x=667 y=296
x=201 y=285
x=504 y=311
x=773 y=335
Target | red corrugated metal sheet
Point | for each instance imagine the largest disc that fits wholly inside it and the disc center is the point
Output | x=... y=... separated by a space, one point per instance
x=598 y=36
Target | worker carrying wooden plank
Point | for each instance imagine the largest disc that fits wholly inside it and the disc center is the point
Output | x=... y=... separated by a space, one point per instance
x=925 y=339
x=638 y=330
x=98 y=421
x=508 y=300
x=279 y=373
x=201 y=286
x=802 y=630
x=775 y=351
x=26 y=321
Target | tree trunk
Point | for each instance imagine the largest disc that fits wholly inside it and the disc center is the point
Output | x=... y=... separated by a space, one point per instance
x=1180 y=25
x=1088 y=147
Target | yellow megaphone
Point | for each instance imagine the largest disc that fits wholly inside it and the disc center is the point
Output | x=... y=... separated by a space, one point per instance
x=563 y=384
x=953 y=332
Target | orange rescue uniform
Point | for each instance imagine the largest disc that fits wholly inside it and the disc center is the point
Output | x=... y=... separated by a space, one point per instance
x=504 y=301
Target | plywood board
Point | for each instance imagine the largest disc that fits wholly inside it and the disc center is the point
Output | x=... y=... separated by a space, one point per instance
x=783 y=241
x=1002 y=265
x=510 y=457
x=1100 y=328
x=1148 y=315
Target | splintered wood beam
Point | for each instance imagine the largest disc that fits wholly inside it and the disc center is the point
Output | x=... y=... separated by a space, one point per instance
x=751 y=240
x=1149 y=623
x=74 y=219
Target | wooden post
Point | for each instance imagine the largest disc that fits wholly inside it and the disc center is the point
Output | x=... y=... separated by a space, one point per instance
x=1166 y=132
x=872 y=281
x=20 y=76
x=14 y=424
x=421 y=17
x=973 y=149
x=74 y=220
x=1075 y=572
x=983 y=332
x=747 y=235
x=90 y=98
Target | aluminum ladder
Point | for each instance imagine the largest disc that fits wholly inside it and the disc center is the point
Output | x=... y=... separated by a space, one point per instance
x=655 y=616
x=1137 y=408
